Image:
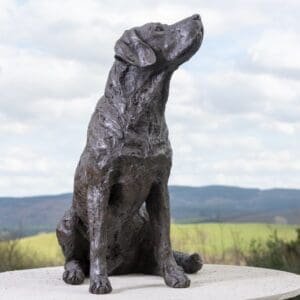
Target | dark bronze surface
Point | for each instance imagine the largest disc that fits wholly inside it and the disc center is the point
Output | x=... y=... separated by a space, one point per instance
x=119 y=221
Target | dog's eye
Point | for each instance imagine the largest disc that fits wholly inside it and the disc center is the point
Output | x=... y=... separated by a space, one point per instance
x=159 y=28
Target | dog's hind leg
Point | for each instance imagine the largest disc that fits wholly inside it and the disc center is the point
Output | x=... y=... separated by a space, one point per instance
x=74 y=247
x=190 y=263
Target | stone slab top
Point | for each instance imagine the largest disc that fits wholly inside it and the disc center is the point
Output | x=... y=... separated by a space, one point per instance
x=213 y=282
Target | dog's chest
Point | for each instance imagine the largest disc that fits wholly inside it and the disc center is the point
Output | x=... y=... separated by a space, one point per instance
x=134 y=178
x=146 y=138
x=145 y=135
x=145 y=148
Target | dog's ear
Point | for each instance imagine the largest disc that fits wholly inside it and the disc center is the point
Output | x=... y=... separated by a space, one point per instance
x=133 y=50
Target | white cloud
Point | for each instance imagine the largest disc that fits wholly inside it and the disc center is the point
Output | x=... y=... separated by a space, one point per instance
x=13 y=127
x=277 y=49
x=26 y=74
x=233 y=110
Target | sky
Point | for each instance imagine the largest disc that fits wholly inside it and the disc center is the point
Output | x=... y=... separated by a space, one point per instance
x=233 y=112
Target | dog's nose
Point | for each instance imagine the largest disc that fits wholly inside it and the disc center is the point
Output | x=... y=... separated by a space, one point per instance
x=196 y=17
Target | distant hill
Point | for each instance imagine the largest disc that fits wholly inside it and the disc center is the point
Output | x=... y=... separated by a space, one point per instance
x=234 y=204
x=188 y=204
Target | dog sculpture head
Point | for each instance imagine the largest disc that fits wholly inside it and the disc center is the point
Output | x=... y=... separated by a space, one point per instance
x=161 y=45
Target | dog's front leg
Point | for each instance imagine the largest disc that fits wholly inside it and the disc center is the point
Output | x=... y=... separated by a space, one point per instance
x=159 y=212
x=97 y=213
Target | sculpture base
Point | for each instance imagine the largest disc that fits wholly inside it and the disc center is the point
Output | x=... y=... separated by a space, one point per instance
x=212 y=282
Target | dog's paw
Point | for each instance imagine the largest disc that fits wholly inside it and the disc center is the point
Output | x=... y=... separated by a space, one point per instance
x=193 y=263
x=100 y=285
x=174 y=277
x=73 y=276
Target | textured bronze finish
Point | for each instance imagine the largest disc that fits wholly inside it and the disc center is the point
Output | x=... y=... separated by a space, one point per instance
x=119 y=221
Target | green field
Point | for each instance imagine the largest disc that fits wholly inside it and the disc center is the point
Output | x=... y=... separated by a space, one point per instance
x=226 y=243
x=43 y=247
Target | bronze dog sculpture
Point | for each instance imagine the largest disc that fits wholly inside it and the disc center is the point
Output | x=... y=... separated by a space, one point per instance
x=119 y=221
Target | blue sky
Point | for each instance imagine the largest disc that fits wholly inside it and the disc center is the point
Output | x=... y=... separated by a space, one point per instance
x=233 y=111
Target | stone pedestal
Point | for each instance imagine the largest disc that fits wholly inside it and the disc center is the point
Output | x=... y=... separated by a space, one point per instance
x=212 y=282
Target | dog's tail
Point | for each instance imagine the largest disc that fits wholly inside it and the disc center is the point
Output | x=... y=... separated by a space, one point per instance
x=190 y=263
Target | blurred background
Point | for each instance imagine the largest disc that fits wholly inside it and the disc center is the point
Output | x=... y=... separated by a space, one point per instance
x=233 y=116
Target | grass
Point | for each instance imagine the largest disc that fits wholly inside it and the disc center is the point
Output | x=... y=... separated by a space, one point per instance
x=226 y=243
x=44 y=247
x=215 y=237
